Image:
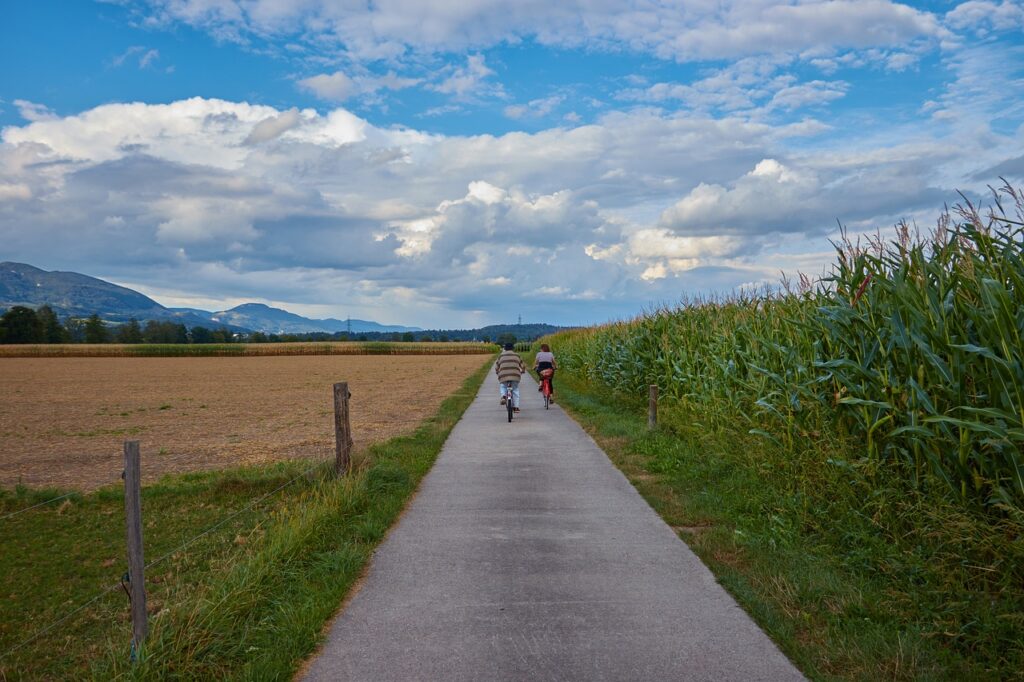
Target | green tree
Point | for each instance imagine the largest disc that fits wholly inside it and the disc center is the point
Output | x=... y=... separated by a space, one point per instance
x=201 y=335
x=507 y=337
x=157 y=331
x=21 y=325
x=257 y=337
x=75 y=329
x=96 y=330
x=223 y=335
x=408 y=336
x=52 y=331
x=129 y=332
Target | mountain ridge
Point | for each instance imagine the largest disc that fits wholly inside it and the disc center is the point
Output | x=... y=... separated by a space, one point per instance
x=72 y=294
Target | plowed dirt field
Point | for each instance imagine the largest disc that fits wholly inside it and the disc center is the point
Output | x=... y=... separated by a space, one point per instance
x=63 y=421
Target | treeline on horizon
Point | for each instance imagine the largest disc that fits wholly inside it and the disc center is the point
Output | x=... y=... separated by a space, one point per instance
x=23 y=325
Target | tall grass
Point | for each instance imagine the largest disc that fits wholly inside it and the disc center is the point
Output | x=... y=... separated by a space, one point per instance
x=912 y=347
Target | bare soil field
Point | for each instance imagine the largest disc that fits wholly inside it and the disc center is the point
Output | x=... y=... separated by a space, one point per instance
x=63 y=421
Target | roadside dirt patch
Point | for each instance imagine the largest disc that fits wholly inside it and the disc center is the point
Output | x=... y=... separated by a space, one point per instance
x=63 y=421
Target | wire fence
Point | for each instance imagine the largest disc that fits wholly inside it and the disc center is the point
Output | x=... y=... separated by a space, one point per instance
x=167 y=555
x=36 y=506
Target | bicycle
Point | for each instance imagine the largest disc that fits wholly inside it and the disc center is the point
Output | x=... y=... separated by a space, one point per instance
x=545 y=386
x=508 y=399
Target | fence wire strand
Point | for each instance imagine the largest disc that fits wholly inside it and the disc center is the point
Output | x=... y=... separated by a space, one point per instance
x=22 y=511
x=220 y=523
x=180 y=547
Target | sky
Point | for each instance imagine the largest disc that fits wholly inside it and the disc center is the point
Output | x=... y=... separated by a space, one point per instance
x=455 y=164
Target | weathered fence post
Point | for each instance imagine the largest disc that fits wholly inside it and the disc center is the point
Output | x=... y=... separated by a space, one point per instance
x=652 y=407
x=133 y=523
x=342 y=429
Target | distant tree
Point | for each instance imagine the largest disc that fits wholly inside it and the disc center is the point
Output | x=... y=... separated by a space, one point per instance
x=75 y=329
x=485 y=339
x=129 y=332
x=157 y=331
x=21 y=325
x=96 y=330
x=426 y=337
x=408 y=336
x=223 y=335
x=342 y=337
x=201 y=335
x=274 y=338
x=395 y=336
x=443 y=338
x=362 y=337
x=507 y=337
x=257 y=337
x=52 y=331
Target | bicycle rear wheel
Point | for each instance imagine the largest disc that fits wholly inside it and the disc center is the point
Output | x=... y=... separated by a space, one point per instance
x=508 y=403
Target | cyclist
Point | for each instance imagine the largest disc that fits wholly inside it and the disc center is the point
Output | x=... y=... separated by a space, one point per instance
x=545 y=360
x=509 y=368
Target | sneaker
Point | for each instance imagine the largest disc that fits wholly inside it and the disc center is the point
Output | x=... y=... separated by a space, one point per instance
x=502 y=400
x=515 y=409
x=540 y=388
x=551 y=400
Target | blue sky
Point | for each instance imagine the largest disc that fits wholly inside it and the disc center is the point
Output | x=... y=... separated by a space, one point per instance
x=455 y=164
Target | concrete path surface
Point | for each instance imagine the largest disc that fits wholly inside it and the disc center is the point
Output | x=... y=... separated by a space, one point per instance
x=526 y=555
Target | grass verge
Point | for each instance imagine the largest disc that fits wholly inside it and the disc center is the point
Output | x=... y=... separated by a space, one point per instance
x=247 y=600
x=853 y=581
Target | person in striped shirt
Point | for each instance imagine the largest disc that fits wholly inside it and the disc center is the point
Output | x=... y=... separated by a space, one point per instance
x=509 y=368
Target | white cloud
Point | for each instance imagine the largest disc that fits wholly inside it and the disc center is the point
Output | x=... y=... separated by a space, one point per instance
x=297 y=205
x=145 y=56
x=30 y=111
x=681 y=31
x=338 y=86
x=537 y=108
x=470 y=80
x=982 y=16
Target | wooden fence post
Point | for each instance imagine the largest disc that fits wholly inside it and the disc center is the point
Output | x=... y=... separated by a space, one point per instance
x=133 y=523
x=342 y=430
x=652 y=407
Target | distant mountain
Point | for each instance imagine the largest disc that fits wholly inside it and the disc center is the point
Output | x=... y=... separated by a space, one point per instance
x=521 y=332
x=277 y=321
x=71 y=294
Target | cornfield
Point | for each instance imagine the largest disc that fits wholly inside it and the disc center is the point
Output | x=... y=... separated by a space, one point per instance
x=912 y=347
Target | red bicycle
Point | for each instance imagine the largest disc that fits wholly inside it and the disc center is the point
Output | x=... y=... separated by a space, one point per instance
x=545 y=386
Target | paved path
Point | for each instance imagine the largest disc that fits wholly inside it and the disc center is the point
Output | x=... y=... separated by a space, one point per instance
x=526 y=555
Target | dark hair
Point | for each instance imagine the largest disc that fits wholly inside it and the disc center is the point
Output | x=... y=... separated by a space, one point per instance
x=509 y=346
x=545 y=348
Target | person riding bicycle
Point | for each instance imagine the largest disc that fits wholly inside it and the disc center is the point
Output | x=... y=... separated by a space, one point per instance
x=545 y=360
x=509 y=368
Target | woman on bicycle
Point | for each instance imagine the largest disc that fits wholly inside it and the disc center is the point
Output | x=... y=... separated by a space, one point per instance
x=545 y=360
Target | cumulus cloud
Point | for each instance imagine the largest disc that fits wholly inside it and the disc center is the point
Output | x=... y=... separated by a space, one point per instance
x=469 y=80
x=31 y=111
x=338 y=87
x=399 y=225
x=981 y=16
x=681 y=31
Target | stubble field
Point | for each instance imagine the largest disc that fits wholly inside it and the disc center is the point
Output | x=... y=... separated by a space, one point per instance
x=63 y=421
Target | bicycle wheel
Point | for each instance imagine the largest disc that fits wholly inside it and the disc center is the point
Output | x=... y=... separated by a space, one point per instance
x=547 y=395
x=508 y=403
